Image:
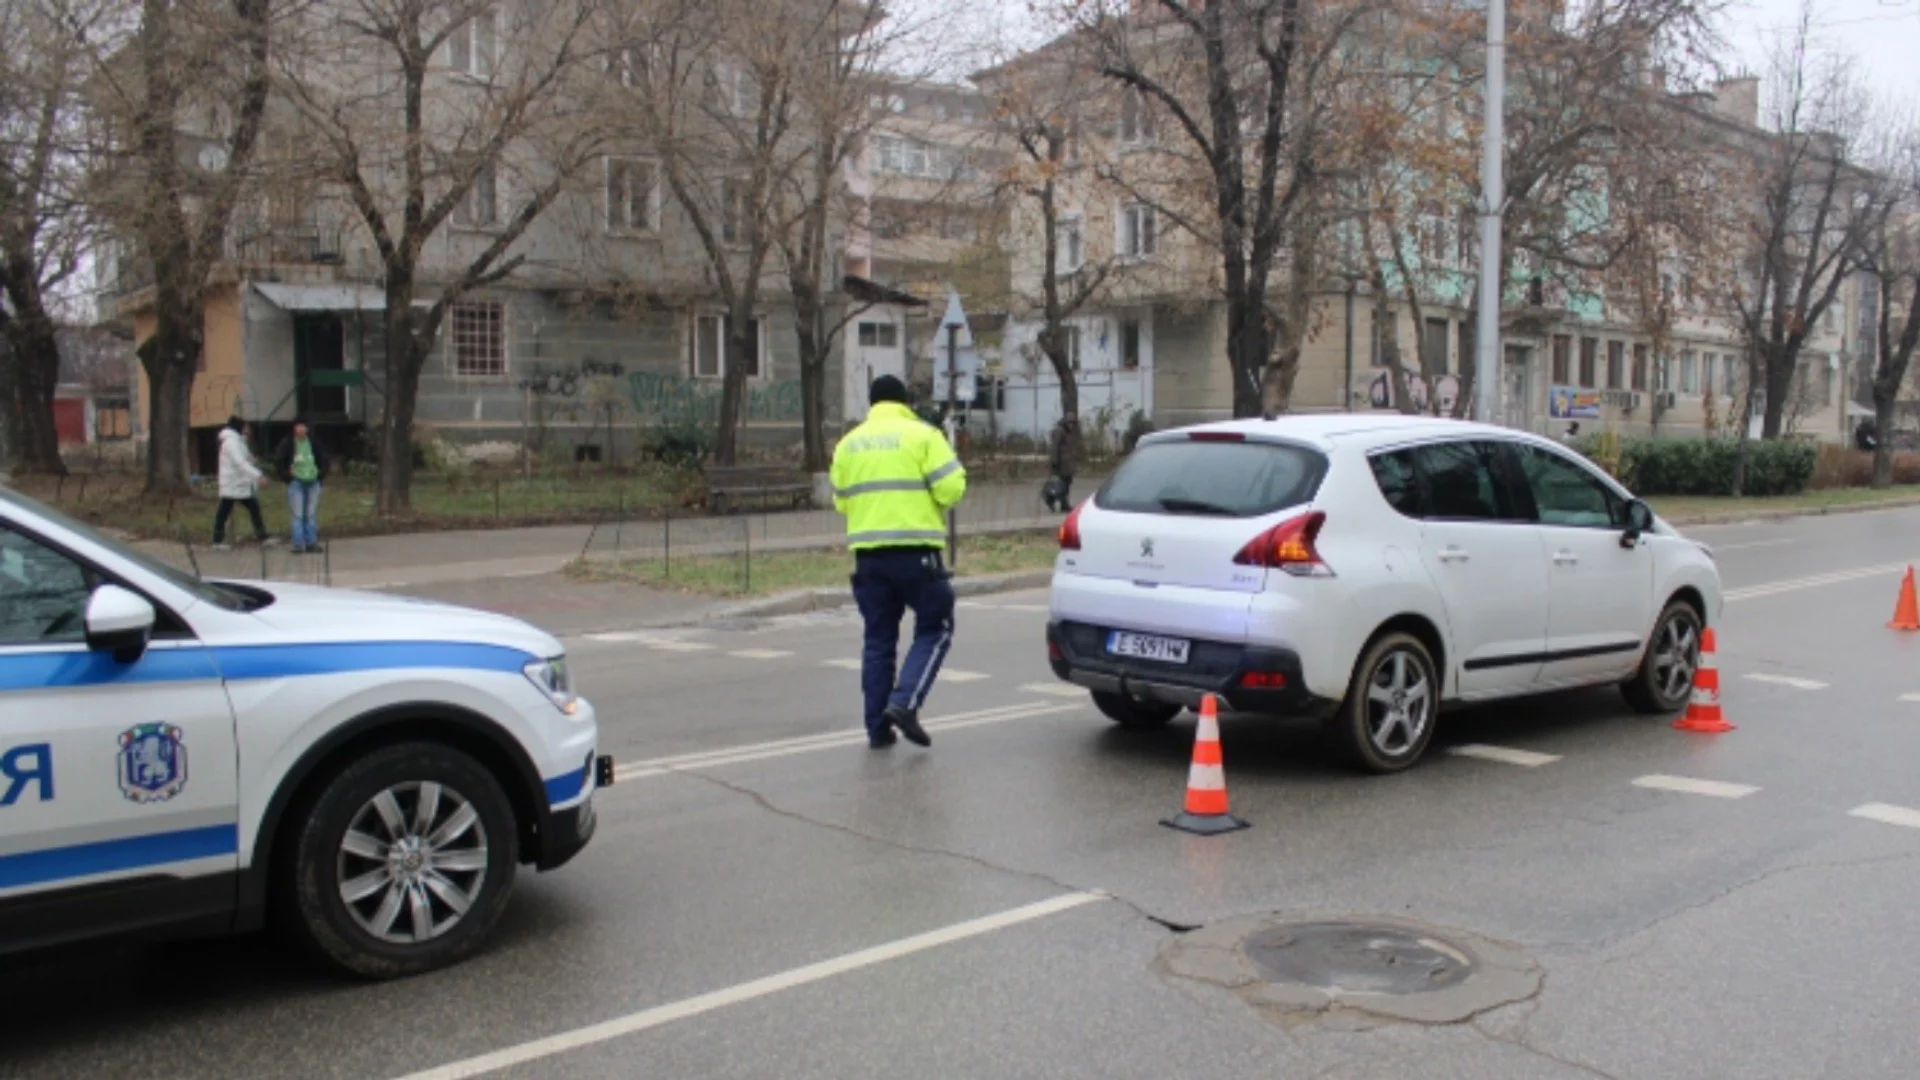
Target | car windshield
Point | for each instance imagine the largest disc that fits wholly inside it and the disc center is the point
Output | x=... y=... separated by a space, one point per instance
x=1213 y=479
x=217 y=595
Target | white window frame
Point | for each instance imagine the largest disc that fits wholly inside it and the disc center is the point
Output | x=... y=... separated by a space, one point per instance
x=1074 y=335
x=1689 y=373
x=734 y=84
x=473 y=49
x=711 y=323
x=1136 y=123
x=1070 y=243
x=735 y=210
x=622 y=224
x=1128 y=231
x=891 y=330
x=479 y=208
x=458 y=339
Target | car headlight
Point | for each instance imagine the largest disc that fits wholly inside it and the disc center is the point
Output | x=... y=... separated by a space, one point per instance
x=556 y=681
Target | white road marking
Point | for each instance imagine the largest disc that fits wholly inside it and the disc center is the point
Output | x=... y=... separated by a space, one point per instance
x=659 y=1015
x=806 y=744
x=1025 y=607
x=614 y=639
x=1786 y=680
x=1888 y=814
x=954 y=674
x=1058 y=689
x=1717 y=548
x=1774 y=588
x=1507 y=755
x=971 y=604
x=760 y=654
x=849 y=665
x=1688 y=786
x=1910 y=697
x=665 y=645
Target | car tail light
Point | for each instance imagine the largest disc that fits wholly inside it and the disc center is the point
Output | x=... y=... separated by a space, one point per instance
x=1289 y=546
x=1054 y=652
x=1070 y=530
x=1264 y=680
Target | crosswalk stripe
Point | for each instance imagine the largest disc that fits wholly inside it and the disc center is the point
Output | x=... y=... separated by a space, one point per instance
x=1888 y=814
x=1504 y=754
x=1688 y=786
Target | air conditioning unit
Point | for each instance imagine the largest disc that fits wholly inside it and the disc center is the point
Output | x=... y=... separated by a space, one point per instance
x=1666 y=399
x=1634 y=401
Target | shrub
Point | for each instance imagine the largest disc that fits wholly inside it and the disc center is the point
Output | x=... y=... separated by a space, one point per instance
x=1703 y=466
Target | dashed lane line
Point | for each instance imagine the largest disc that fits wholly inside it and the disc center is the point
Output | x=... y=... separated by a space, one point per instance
x=846 y=665
x=659 y=1015
x=1786 y=680
x=961 y=675
x=1056 y=689
x=1504 y=754
x=760 y=654
x=1685 y=785
x=1889 y=814
x=1910 y=697
x=806 y=744
x=1774 y=588
x=1717 y=548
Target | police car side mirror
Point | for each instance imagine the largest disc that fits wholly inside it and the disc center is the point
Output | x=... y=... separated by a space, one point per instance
x=119 y=622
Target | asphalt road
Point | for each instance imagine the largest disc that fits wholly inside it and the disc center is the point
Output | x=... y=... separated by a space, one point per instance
x=768 y=898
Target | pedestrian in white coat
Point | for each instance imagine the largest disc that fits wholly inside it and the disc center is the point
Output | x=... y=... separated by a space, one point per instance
x=240 y=481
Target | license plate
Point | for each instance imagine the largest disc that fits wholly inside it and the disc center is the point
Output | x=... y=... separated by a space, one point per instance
x=1148 y=647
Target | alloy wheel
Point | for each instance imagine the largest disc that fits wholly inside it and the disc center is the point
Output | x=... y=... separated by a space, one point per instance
x=1676 y=655
x=1399 y=703
x=413 y=862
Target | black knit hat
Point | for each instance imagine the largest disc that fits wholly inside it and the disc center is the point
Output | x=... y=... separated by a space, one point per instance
x=888 y=388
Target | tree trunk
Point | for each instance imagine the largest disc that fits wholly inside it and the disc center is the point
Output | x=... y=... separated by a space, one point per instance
x=1247 y=350
x=742 y=352
x=813 y=377
x=1053 y=344
x=169 y=358
x=1883 y=405
x=1781 y=361
x=405 y=360
x=36 y=367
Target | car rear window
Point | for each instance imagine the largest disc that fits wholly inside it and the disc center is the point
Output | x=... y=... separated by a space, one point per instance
x=1221 y=479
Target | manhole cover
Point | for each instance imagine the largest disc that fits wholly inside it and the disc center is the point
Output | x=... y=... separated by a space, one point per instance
x=1357 y=958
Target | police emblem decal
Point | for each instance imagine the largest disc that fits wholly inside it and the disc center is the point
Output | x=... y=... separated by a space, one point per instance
x=153 y=762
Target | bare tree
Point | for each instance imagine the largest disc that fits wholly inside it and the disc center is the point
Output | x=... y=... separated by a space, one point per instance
x=439 y=115
x=1891 y=257
x=181 y=98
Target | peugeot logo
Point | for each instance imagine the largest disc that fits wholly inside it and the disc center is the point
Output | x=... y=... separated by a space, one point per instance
x=1146 y=547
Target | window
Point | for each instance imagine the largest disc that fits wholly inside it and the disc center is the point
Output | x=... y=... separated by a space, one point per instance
x=1072 y=334
x=633 y=196
x=879 y=335
x=1730 y=374
x=43 y=593
x=1689 y=373
x=1461 y=481
x=476 y=338
x=1399 y=484
x=1566 y=494
x=1070 y=244
x=1464 y=337
x=1223 y=479
x=1589 y=356
x=1639 y=367
x=1136 y=230
x=1706 y=374
x=1136 y=117
x=1616 y=364
x=480 y=209
x=1432 y=233
x=1129 y=345
x=731 y=89
x=629 y=66
x=1433 y=347
x=735 y=212
x=471 y=46
x=709 y=356
x=1562 y=360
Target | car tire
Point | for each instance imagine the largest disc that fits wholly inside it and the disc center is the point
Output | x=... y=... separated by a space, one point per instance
x=1392 y=705
x=363 y=858
x=1132 y=713
x=1664 y=682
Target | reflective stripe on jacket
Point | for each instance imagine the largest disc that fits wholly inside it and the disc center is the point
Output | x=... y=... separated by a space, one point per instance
x=895 y=477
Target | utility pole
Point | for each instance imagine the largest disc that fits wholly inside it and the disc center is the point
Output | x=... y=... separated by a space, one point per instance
x=1487 y=376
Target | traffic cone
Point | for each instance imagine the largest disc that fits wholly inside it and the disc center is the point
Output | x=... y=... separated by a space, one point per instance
x=1906 y=611
x=1206 y=811
x=1703 y=712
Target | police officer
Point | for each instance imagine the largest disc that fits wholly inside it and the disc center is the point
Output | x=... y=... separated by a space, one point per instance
x=895 y=477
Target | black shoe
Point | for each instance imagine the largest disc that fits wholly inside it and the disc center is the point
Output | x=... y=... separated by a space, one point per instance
x=909 y=724
x=882 y=740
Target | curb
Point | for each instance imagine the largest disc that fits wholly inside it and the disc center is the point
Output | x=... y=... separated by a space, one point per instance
x=801 y=601
x=1788 y=515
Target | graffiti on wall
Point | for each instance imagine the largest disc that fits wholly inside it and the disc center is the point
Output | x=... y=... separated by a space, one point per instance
x=679 y=397
x=566 y=382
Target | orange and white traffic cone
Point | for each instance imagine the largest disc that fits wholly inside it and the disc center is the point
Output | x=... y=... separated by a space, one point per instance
x=1206 y=811
x=1703 y=712
x=1906 y=610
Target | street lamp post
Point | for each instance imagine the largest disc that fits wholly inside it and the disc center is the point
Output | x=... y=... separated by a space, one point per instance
x=1493 y=197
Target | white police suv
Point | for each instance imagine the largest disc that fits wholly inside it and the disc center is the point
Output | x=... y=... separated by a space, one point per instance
x=182 y=756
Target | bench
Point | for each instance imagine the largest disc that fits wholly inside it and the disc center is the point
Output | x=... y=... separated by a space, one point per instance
x=729 y=486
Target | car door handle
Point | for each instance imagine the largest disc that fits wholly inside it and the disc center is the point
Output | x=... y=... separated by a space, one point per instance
x=1565 y=558
x=1454 y=554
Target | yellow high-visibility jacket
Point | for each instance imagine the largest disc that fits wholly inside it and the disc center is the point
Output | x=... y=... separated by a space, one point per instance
x=895 y=477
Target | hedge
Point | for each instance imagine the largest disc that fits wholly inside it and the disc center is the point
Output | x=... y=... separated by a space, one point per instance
x=1704 y=466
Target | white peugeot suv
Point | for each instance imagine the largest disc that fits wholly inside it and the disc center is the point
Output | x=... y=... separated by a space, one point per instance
x=1365 y=570
x=188 y=757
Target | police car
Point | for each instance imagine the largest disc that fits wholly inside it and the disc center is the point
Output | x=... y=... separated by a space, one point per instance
x=185 y=756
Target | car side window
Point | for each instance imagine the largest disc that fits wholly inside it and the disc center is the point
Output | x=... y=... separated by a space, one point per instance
x=1462 y=483
x=1398 y=481
x=43 y=594
x=1567 y=494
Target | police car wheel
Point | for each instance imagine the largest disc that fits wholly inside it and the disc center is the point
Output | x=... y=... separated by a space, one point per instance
x=404 y=862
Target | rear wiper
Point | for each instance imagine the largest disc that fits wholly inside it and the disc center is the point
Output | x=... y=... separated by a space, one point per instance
x=1195 y=506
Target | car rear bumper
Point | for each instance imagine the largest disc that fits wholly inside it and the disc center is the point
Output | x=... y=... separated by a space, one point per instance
x=1077 y=655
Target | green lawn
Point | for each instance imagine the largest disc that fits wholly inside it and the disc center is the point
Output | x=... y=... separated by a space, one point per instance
x=1727 y=508
x=782 y=571
x=477 y=501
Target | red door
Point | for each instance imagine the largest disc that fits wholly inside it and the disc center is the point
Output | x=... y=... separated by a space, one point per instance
x=70 y=421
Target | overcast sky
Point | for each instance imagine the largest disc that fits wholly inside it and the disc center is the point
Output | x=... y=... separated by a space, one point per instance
x=1882 y=35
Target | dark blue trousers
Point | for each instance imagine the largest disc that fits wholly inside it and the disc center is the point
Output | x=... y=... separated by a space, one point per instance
x=886 y=584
